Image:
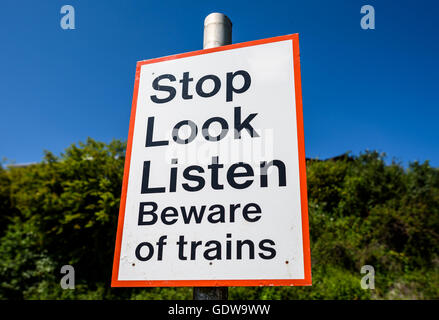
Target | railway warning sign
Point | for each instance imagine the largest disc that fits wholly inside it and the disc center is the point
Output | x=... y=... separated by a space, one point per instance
x=214 y=187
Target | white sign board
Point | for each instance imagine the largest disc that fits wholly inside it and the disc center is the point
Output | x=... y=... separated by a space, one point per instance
x=214 y=189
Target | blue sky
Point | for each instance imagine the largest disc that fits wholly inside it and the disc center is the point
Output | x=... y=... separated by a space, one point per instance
x=362 y=89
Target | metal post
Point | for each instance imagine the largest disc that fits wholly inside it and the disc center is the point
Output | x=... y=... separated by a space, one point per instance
x=217 y=32
x=211 y=293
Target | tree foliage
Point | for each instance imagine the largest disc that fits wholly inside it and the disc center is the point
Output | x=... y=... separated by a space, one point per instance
x=362 y=211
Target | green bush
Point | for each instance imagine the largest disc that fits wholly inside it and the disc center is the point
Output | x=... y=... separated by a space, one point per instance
x=362 y=211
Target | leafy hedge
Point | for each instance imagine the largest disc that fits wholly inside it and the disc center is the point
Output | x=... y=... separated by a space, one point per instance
x=362 y=211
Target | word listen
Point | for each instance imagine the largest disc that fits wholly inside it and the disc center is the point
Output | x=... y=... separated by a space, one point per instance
x=238 y=176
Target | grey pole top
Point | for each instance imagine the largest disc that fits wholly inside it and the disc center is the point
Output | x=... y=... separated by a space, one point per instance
x=217 y=30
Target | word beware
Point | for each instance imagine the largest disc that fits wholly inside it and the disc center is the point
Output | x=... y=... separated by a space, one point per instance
x=251 y=212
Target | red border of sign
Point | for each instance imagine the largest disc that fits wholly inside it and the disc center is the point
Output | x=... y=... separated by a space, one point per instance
x=302 y=173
